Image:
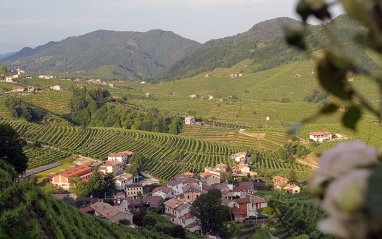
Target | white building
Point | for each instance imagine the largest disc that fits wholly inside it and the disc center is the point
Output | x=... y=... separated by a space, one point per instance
x=57 y=87
x=122 y=157
x=125 y=179
x=320 y=136
x=190 y=120
x=8 y=79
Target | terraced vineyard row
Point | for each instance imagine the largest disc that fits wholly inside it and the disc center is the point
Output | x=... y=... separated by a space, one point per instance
x=167 y=154
x=43 y=156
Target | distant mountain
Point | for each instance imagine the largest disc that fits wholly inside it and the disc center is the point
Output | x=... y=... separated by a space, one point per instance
x=6 y=47
x=264 y=43
x=3 y=56
x=143 y=54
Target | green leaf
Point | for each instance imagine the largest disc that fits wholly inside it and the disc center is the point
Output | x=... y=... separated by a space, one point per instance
x=329 y=109
x=332 y=79
x=263 y=234
x=295 y=37
x=295 y=127
x=374 y=193
x=351 y=117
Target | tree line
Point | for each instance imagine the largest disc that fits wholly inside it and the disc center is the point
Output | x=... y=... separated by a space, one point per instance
x=96 y=108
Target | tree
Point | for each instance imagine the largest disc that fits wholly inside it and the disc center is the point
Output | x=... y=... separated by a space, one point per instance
x=216 y=192
x=209 y=211
x=133 y=169
x=11 y=150
x=137 y=159
x=149 y=220
x=178 y=232
x=292 y=178
x=3 y=69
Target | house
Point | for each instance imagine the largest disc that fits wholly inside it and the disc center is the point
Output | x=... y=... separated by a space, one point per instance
x=298 y=75
x=18 y=89
x=189 y=120
x=193 y=96
x=244 y=168
x=15 y=76
x=31 y=88
x=292 y=189
x=207 y=75
x=111 y=85
x=250 y=204
x=249 y=185
x=87 y=210
x=62 y=179
x=164 y=192
x=238 y=215
x=210 y=97
x=320 y=136
x=111 y=213
x=57 y=87
x=221 y=167
x=233 y=75
x=191 y=192
x=350 y=79
x=143 y=82
x=148 y=94
x=184 y=175
x=123 y=157
x=115 y=168
x=176 y=185
x=235 y=170
x=279 y=182
x=241 y=74
x=28 y=77
x=9 y=79
x=85 y=177
x=45 y=77
x=267 y=118
x=240 y=192
x=132 y=190
x=209 y=178
x=212 y=170
x=124 y=179
x=240 y=157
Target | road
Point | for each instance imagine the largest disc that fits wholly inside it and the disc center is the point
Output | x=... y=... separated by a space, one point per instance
x=150 y=179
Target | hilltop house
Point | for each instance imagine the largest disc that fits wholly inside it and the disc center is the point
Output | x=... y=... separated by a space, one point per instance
x=62 y=179
x=190 y=120
x=122 y=157
x=320 y=136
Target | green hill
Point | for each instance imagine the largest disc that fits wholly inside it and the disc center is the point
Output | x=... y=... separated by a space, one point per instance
x=143 y=54
x=27 y=212
x=264 y=44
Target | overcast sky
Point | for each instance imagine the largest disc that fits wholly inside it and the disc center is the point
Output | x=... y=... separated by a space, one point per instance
x=37 y=22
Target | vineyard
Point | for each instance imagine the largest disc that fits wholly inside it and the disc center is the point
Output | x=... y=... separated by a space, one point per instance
x=167 y=155
x=27 y=212
x=259 y=139
x=43 y=156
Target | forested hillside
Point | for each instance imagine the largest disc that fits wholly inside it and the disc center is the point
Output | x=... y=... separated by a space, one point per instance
x=143 y=54
x=264 y=44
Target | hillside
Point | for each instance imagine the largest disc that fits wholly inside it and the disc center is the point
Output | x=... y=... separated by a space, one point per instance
x=142 y=54
x=27 y=212
x=264 y=44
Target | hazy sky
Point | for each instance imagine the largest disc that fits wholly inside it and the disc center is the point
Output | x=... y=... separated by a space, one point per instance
x=40 y=21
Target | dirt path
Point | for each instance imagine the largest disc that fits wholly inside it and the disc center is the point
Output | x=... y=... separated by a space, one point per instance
x=305 y=163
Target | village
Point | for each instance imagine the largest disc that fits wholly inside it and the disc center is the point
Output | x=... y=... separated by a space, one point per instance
x=175 y=196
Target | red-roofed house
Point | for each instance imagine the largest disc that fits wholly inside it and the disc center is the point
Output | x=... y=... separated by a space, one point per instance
x=320 y=136
x=110 y=213
x=115 y=168
x=209 y=178
x=18 y=89
x=250 y=204
x=240 y=191
x=62 y=179
x=190 y=120
x=122 y=157
x=221 y=167
x=164 y=192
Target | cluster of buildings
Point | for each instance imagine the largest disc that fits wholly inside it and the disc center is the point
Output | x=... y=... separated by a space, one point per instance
x=283 y=184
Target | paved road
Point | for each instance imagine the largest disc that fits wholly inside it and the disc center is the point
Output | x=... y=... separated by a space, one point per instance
x=150 y=179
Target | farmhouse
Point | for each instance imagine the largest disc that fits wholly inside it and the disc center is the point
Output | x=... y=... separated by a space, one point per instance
x=282 y=183
x=62 y=179
x=320 y=136
x=8 y=79
x=122 y=157
x=193 y=96
x=18 y=89
x=233 y=75
x=45 y=77
x=190 y=120
x=57 y=87
x=110 y=213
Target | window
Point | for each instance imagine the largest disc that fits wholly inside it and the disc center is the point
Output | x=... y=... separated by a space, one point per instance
x=242 y=206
